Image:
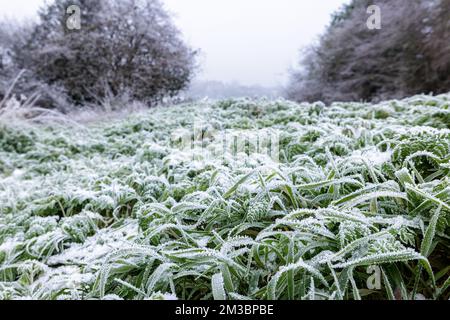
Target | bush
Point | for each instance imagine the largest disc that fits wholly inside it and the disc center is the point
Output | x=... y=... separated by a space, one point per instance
x=350 y=62
x=125 y=45
x=16 y=80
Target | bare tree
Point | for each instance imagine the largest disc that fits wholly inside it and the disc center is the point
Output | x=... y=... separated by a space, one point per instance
x=351 y=62
x=127 y=45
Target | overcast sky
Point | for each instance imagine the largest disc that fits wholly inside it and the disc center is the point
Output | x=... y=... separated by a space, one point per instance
x=249 y=41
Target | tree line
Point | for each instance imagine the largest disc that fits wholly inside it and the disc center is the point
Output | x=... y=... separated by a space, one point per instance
x=409 y=55
x=131 y=48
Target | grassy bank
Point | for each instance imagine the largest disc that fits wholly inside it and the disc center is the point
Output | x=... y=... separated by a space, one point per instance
x=126 y=209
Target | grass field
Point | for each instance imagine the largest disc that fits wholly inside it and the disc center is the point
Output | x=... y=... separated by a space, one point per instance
x=353 y=202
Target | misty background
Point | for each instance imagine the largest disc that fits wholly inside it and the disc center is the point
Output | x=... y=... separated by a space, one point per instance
x=246 y=47
x=152 y=51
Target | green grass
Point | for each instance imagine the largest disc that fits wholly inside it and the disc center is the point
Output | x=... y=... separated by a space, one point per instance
x=120 y=211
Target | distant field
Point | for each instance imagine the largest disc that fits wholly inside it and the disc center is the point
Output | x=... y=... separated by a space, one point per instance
x=237 y=199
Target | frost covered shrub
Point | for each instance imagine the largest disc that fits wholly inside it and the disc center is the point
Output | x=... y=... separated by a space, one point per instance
x=122 y=46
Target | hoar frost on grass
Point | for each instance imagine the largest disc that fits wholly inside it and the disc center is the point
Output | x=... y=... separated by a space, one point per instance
x=123 y=210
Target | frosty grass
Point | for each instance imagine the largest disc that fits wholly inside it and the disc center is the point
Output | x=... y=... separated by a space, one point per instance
x=124 y=210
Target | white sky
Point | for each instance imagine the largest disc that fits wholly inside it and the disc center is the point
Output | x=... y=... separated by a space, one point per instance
x=249 y=41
